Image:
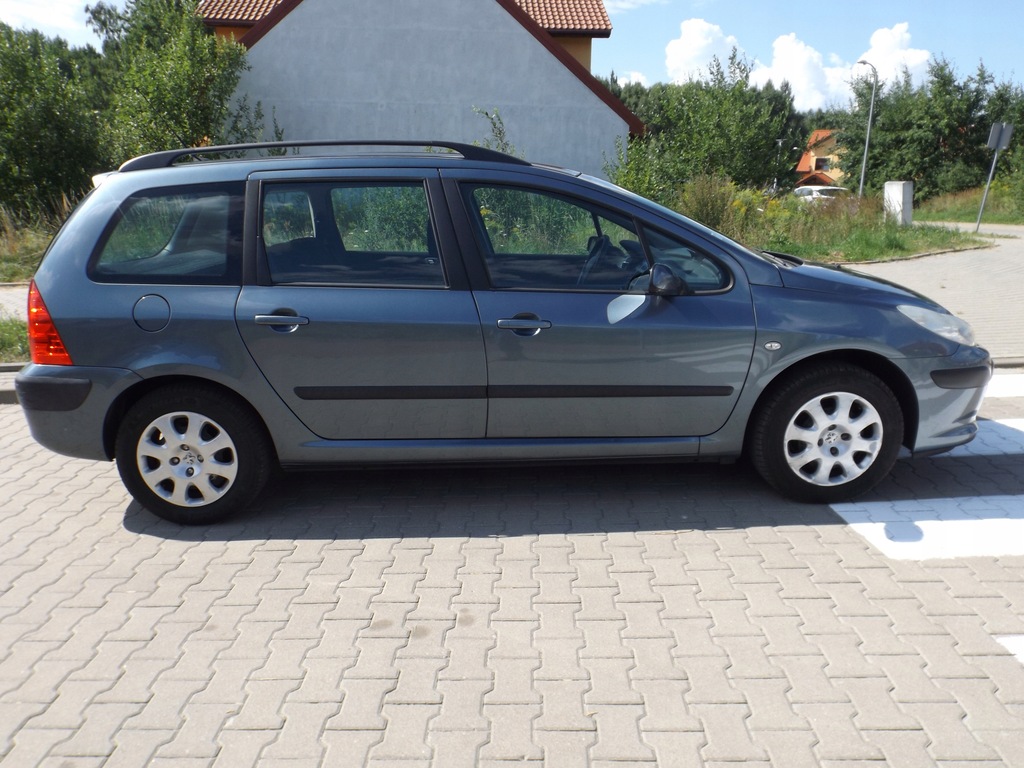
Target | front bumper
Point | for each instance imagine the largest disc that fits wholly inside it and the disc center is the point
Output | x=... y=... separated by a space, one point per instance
x=949 y=397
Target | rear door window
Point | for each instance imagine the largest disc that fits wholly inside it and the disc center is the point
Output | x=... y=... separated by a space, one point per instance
x=351 y=233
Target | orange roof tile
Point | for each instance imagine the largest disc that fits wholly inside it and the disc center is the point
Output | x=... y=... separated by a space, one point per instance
x=241 y=12
x=569 y=16
x=556 y=16
x=819 y=136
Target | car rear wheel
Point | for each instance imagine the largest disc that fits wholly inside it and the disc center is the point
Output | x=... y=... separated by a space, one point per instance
x=828 y=434
x=192 y=455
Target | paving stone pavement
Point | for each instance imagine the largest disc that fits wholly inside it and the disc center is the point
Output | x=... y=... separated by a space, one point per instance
x=982 y=286
x=672 y=615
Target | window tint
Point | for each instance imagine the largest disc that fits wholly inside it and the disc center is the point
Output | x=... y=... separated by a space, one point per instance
x=191 y=236
x=351 y=234
x=540 y=241
x=701 y=272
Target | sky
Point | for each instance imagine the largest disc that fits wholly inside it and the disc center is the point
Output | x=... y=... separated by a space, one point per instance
x=813 y=46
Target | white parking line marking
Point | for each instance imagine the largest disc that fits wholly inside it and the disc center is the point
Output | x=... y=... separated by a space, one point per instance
x=1014 y=644
x=942 y=528
x=979 y=526
x=1006 y=385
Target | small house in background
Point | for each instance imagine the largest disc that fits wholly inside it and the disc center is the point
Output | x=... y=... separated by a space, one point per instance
x=416 y=70
x=819 y=165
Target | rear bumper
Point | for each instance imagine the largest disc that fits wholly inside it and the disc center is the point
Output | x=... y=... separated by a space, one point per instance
x=66 y=407
x=52 y=393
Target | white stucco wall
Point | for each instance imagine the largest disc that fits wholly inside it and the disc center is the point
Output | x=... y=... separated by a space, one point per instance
x=413 y=69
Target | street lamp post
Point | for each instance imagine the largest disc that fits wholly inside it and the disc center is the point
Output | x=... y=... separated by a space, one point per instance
x=871 y=114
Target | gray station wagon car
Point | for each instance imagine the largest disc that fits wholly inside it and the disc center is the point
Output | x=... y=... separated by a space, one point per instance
x=206 y=315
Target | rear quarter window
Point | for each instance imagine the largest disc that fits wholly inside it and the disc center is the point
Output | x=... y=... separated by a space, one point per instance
x=189 y=235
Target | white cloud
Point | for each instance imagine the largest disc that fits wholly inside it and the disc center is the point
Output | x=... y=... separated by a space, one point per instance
x=818 y=80
x=890 y=53
x=688 y=56
x=54 y=18
x=814 y=83
x=632 y=77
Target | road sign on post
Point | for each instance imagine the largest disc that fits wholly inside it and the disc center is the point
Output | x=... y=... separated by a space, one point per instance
x=998 y=139
x=1000 y=135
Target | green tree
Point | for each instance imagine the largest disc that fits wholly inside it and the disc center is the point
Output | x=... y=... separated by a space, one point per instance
x=933 y=134
x=172 y=80
x=48 y=133
x=719 y=125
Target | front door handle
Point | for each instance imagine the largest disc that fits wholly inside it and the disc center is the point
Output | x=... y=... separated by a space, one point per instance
x=524 y=324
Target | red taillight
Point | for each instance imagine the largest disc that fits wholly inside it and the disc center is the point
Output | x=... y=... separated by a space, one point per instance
x=43 y=339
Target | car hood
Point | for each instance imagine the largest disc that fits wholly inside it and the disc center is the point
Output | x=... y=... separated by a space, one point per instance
x=825 y=278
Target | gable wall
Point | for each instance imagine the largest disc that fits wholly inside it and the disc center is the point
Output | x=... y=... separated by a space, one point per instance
x=408 y=69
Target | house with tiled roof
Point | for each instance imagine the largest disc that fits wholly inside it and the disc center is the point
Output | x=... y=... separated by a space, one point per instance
x=819 y=164
x=409 y=69
x=574 y=24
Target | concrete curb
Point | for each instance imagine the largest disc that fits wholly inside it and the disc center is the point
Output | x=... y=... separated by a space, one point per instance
x=7 y=373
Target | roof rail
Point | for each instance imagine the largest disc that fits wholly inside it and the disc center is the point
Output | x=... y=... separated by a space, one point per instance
x=170 y=157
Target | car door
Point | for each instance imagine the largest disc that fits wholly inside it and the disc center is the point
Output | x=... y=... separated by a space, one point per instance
x=576 y=347
x=361 y=320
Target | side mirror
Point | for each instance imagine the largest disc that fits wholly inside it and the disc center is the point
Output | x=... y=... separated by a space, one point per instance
x=665 y=282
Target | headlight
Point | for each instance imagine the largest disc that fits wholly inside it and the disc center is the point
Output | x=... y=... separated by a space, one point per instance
x=944 y=324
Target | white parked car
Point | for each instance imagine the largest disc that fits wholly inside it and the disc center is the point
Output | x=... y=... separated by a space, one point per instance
x=814 y=193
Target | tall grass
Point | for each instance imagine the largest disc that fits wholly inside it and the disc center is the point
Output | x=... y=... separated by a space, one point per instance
x=13 y=340
x=23 y=240
x=838 y=230
x=1005 y=205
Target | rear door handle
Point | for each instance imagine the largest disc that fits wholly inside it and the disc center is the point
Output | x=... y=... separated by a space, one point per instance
x=289 y=321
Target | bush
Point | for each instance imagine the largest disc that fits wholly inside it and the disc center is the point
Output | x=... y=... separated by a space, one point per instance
x=708 y=199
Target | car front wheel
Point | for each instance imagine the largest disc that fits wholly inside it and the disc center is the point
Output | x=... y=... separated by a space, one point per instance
x=192 y=455
x=828 y=434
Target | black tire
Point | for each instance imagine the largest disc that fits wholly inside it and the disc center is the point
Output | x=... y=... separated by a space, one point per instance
x=827 y=434
x=192 y=454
